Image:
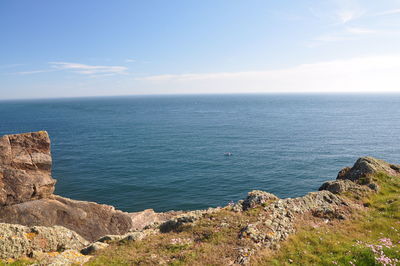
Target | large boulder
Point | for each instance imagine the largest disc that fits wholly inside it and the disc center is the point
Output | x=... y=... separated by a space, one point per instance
x=89 y=219
x=25 y=168
x=18 y=240
x=257 y=197
x=341 y=186
x=367 y=166
x=358 y=179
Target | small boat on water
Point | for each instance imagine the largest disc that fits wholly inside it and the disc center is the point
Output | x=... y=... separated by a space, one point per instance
x=228 y=154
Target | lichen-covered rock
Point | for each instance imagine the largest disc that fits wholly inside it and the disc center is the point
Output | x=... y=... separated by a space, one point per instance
x=256 y=198
x=93 y=248
x=131 y=236
x=329 y=213
x=279 y=222
x=25 y=168
x=367 y=166
x=18 y=240
x=358 y=179
x=64 y=258
x=89 y=219
x=188 y=217
x=341 y=186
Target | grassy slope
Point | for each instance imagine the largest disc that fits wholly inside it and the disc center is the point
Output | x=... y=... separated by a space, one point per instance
x=347 y=242
x=214 y=239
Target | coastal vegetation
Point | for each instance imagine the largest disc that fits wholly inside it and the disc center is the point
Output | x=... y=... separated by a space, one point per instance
x=370 y=236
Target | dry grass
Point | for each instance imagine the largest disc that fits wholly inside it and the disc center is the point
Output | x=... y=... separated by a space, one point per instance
x=370 y=236
x=347 y=242
x=211 y=241
x=214 y=239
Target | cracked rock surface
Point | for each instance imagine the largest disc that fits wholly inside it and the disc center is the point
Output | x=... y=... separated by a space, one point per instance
x=25 y=168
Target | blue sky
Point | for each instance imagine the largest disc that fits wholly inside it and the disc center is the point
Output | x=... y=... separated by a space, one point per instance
x=96 y=48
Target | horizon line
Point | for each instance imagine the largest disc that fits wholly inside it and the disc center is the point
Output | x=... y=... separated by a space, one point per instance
x=205 y=94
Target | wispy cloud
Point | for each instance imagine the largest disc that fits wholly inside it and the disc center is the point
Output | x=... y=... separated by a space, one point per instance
x=347 y=33
x=360 y=31
x=344 y=16
x=129 y=60
x=89 y=69
x=389 y=12
x=34 y=71
x=361 y=74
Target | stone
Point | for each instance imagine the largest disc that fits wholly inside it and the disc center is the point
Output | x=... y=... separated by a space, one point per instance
x=341 y=186
x=93 y=248
x=26 y=194
x=67 y=257
x=367 y=166
x=17 y=240
x=257 y=198
x=146 y=218
x=175 y=223
x=358 y=179
x=89 y=219
x=329 y=213
x=279 y=222
x=25 y=168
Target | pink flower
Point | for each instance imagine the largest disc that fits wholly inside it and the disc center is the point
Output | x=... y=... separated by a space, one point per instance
x=386 y=242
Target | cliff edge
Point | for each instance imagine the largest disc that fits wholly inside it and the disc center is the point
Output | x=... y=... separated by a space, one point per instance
x=262 y=229
x=26 y=194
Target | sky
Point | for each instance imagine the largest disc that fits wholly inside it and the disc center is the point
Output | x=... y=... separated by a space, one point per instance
x=74 y=48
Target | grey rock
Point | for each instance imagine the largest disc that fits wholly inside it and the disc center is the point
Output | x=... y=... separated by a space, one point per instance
x=282 y=213
x=178 y=221
x=89 y=219
x=93 y=248
x=367 y=166
x=18 y=240
x=67 y=257
x=341 y=186
x=257 y=198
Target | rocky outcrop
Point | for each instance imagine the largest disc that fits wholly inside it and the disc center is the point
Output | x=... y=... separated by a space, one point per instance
x=280 y=216
x=341 y=186
x=256 y=198
x=18 y=240
x=89 y=219
x=64 y=258
x=282 y=213
x=25 y=168
x=26 y=194
x=357 y=179
x=367 y=166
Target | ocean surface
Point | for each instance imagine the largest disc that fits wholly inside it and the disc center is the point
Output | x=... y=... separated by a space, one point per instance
x=167 y=152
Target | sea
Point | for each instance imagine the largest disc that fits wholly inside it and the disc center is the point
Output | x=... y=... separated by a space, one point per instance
x=169 y=152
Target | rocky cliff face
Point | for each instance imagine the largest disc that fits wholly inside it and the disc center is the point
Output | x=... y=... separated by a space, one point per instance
x=26 y=194
x=25 y=168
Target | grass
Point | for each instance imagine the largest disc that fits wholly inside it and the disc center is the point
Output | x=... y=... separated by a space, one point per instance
x=370 y=236
x=351 y=241
x=211 y=241
x=214 y=239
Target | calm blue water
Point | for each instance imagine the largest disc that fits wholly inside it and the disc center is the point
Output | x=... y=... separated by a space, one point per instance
x=167 y=152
